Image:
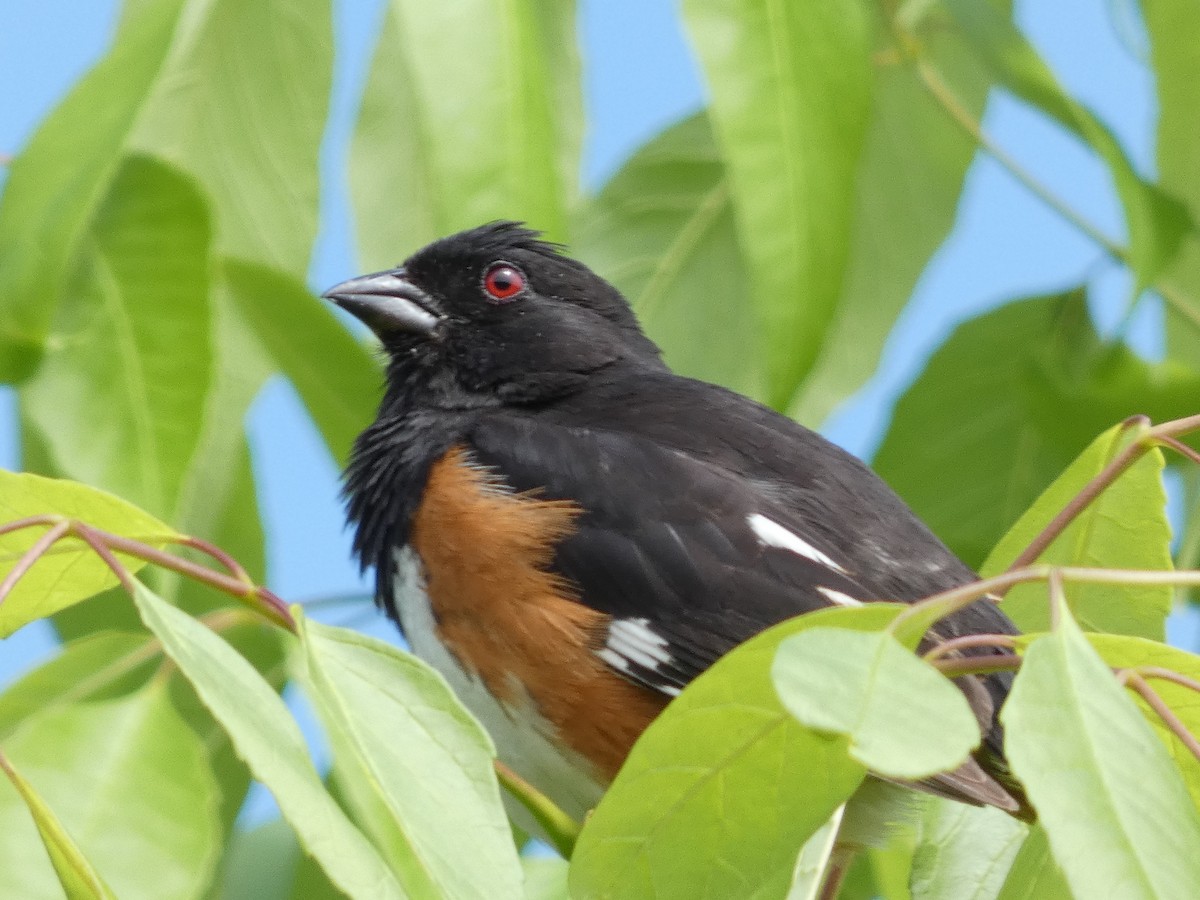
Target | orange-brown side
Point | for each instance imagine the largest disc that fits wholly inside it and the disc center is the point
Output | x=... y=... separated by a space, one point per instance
x=486 y=552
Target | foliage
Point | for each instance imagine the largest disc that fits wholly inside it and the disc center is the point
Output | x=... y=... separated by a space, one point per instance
x=154 y=235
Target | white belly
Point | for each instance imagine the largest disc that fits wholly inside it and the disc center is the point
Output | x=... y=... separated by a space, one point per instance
x=521 y=734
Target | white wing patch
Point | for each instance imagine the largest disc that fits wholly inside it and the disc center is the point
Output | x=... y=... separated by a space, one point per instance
x=838 y=597
x=772 y=534
x=632 y=647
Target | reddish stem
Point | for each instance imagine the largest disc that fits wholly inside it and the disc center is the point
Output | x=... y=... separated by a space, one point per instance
x=60 y=529
x=1156 y=703
x=966 y=642
x=978 y=665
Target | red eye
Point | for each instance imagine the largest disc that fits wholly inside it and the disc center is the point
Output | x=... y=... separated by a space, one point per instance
x=503 y=282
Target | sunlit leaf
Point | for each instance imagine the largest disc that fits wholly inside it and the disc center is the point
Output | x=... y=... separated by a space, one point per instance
x=268 y=739
x=906 y=197
x=1124 y=528
x=1050 y=386
x=99 y=666
x=404 y=742
x=662 y=231
x=963 y=852
x=120 y=399
x=722 y=790
x=119 y=774
x=241 y=106
x=812 y=863
x=463 y=122
x=1073 y=738
x=545 y=878
x=791 y=95
x=1120 y=651
x=71 y=571
x=57 y=182
x=76 y=876
x=1174 y=31
x=901 y=716
x=1034 y=875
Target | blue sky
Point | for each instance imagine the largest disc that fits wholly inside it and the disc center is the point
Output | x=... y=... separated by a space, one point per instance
x=639 y=76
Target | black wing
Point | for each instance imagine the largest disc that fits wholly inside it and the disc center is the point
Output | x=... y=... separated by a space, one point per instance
x=690 y=559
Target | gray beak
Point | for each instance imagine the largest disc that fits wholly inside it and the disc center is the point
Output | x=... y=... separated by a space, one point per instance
x=386 y=302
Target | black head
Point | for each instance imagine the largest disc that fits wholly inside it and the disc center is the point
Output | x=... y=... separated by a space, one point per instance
x=495 y=312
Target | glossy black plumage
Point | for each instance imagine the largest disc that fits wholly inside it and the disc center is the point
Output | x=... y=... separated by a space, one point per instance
x=558 y=391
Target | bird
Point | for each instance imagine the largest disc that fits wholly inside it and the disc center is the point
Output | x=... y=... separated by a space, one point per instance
x=571 y=533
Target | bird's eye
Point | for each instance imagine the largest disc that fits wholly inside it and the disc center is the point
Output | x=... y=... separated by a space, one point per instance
x=503 y=283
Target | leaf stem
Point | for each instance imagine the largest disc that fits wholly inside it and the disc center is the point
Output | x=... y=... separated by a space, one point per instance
x=1154 y=435
x=32 y=555
x=1132 y=679
x=964 y=595
x=1167 y=675
x=560 y=828
x=978 y=665
x=967 y=642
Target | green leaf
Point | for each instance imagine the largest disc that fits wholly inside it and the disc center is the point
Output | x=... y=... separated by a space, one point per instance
x=723 y=788
x=662 y=231
x=902 y=717
x=75 y=874
x=774 y=70
x=405 y=745
x=964 y=852
x=1125 y=527
x=129 y=779
x=120 y=399
x=1123 y=652
x=545 y=878
x=812 y=863
x=269 y=741
x=906 y=196
x=71 y=571
x=1051 y=387
x=1034 y=874
x=100 y=666
x=470 y=114
x=1174 y=30
x=1073 y=738
x=59 y=180
x=258 y=75
x=1156 y=221
x=334 y=374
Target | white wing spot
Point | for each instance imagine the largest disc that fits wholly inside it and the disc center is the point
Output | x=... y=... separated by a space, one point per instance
x=614 y=659
x=635 y=640
x=772 y=534
x=838 y=597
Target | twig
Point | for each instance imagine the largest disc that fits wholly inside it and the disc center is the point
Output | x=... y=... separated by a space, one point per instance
x=978 y=665
x=32 y=555
x=560 y=828
x=1165 y=433
x=1167 y=675
x=1181 y=448
x=1164 y=712
x=964 y=595
x=106 y=545
x=966 y=642
x=1058 y=598
x=94 y=539
x=212 y=550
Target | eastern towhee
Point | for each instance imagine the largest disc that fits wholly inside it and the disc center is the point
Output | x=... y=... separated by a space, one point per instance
x=571 y=533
